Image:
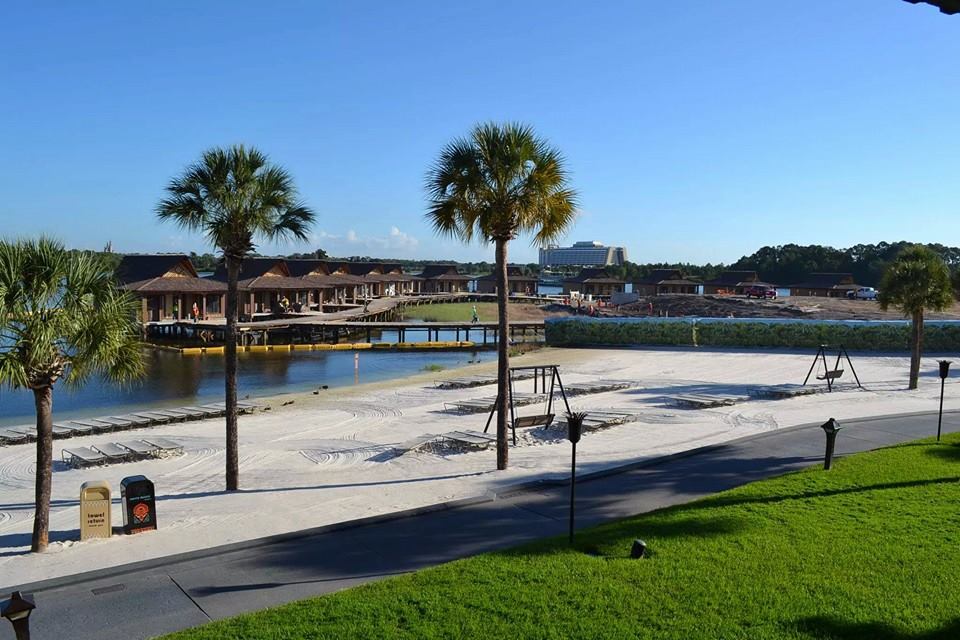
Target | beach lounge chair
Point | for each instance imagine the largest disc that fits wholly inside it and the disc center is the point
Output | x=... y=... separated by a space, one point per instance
x=140 y=448
x=413 y=443
x=95 y=426
x=113 y=453
x=135 y=420
x=166 y=447
x=176 y=416
x=78 y=457
x=155 y=418
x=119 y=423
x=28 y=431
x=11 y=437
x=77 y=428
x=201 y=412
x=63 y=431
x=470 y=439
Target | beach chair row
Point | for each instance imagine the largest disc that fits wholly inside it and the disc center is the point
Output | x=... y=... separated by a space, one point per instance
x=126 y=451
x=479 y=405
x=601 y=386
x=106 y=424
x=467 y=382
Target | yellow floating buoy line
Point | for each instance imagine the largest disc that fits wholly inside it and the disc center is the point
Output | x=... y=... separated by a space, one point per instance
x=346 y=346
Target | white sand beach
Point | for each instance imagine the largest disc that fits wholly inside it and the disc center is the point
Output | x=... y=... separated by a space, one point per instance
x=326 y=458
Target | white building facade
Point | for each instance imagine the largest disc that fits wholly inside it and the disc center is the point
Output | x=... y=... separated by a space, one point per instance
x=587 y=253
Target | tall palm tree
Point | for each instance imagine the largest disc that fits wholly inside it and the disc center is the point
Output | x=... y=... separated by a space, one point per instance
x=917 y=279
x=235 y=196
x=62 y=317
x=500 y=182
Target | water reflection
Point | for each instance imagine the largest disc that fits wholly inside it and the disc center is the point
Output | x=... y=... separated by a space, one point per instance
x=174 y=379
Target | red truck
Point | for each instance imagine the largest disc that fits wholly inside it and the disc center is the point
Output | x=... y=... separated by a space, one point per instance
x=761 y=291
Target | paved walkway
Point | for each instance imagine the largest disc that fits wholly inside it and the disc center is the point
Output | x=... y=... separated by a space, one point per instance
x=159 y=596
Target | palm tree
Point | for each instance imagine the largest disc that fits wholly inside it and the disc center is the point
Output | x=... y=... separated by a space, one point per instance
x=916 y=280
x=498 y=183
x=62 y=317
x=235 y=196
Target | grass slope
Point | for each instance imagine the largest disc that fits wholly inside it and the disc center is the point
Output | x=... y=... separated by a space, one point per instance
x=869 y=550
x=452 y=312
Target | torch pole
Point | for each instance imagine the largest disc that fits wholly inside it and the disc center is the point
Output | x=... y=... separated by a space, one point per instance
x=940 y=417
x=573 y=484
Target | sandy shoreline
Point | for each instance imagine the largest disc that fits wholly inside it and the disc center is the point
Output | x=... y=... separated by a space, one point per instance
x=326 y=458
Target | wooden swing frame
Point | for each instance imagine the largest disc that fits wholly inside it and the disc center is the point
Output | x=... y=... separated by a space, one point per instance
x=539 y=377
x=830 y=375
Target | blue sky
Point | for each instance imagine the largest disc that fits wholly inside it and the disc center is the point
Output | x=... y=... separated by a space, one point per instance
x=695 y=131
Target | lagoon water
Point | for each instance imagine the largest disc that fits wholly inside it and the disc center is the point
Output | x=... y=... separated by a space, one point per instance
x=178 y=380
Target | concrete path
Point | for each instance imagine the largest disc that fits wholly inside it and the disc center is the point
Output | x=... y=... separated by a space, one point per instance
x=159 y=596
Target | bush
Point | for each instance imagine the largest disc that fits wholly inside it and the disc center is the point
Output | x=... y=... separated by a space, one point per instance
x=749 y=332
x=570 y=332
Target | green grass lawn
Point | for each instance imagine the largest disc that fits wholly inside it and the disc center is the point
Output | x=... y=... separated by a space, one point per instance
x=452 y=312
x=869 y=550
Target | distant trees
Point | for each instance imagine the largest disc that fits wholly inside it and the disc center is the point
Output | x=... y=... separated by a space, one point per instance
x=790 y=263
x=917 y=280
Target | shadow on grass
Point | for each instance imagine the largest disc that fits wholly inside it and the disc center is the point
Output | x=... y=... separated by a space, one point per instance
x=831 y=628
x=947 y=452
x=733 y=500
x=693 y=527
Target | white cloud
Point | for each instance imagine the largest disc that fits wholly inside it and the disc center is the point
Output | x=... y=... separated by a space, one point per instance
x=395 y=242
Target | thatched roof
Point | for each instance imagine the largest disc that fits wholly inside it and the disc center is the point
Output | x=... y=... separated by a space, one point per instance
x=253 y=268
x=300 y=268
x=442 y=272
x=137 y=267
x=594 y=276
x=514 y=272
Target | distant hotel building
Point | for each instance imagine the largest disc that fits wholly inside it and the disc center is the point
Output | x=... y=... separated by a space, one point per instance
x=585 y=254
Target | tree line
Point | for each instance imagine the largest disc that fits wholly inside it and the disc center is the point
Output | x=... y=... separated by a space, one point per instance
x=792 y=263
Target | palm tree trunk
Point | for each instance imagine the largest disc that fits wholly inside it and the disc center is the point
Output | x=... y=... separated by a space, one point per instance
x=916 y=348
x=230 y=352
x=503 y=355
x=43 y=399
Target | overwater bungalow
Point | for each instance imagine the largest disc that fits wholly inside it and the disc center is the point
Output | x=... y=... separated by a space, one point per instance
x=264 y=283
x=168 y=286
x=825 y=285
x=594 y=282
x=732 y=282
x=518 y=282
x=443 y=278
x=664 y=281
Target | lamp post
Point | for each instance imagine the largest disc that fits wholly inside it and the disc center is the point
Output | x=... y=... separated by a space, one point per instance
x=944 y=372
x=574 y=428
x=831 y=427
x=17 y=610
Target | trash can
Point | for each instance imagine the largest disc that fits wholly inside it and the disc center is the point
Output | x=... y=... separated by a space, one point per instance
x=95 y=510
x=139 y=504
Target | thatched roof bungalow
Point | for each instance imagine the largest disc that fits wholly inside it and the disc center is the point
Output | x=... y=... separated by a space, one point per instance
x=443 y=278
x=664 y=281
x=594 y=282
x=732 y=282
x=518 y=282
x=826 y=285
x=168 y=286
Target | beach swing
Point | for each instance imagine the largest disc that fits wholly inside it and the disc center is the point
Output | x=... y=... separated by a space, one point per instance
x=825 y=372
x=539 y=381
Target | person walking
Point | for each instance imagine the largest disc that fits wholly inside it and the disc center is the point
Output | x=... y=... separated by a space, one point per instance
x=476 y=316
x=195 y=312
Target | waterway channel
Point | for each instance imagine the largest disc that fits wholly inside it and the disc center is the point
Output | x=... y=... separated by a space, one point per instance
x=178 y=380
